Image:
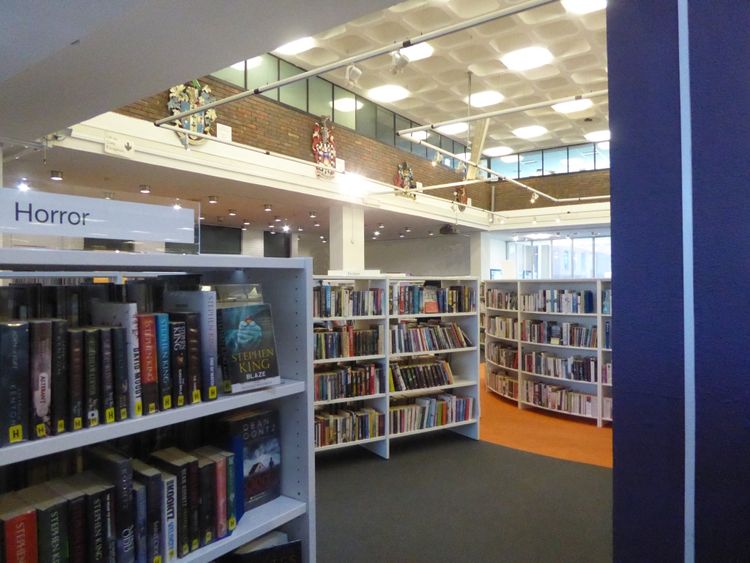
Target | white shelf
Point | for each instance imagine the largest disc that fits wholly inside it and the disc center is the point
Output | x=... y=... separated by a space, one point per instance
x=434 y=428
x=395 y=355
x=427 y=390
x=349 y=359
x=354 y=318
x=502 y=338
x=499 y=394
x=561 y=379
x=527 y=403
x=55 y=444
x=253 y=524
x=499 y=365
x=502 y=310
x=432 y=315
x=560 y=346
x=349 y=399
x=545 y=313
x=347 y=444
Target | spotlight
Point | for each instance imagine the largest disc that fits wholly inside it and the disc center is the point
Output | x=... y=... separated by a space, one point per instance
x=430 y=234
x=381 y=226
x=407 y=229
x=300 y=229
x=376 y=233
x=271 y=225
x=56 y=175
x=232 y=212
x=23 y=186
x=144 y=189
x=285 y=228
x=398 y=62
x=316 y=224
x=213 y=199
x=245 y=222
x=401 y=235
x=313 y=215
x=267 y=207
x=177 y=205
x=353 y=73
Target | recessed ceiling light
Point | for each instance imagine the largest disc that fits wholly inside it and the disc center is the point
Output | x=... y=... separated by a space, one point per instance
x=418 y=52
x=313 y=214
x=376 y=233
x=527 y=58
x=322 y=237
x=401 y=235
x=430 y=233
x=497 y=151
x=267 y=207
x=213 y=199
x=530 y=132
x=453 y=128
x=484 y=99
x=245 y=222
x=232 y=212
x=271 y=225
x=300 y=229
x=374 y=238
x=381 y=225
x=297 y=46
x=346 y=105
x=316 y=224
x=580 y=7
x=416 y=135
x=407 y=229
x=285 y=228
x=273 y=232
x=573 y=106
x=56 y=175
x=324 y=241
x=388 y=93
x=598 y=136
x=144 y=189
x=277 y=219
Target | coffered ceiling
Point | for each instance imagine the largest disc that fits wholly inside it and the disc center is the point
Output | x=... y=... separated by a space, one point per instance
x=438 y=85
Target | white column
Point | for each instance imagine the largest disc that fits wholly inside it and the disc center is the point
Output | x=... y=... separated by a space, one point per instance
x=293 y=245
x=252 y=243
x=347 y=238
x=479 y=249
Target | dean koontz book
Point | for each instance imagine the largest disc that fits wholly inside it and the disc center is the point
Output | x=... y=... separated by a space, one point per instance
x=247 y=347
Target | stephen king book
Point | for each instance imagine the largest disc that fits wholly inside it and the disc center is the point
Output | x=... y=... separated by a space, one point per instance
x=41 y=378
x=14 y=382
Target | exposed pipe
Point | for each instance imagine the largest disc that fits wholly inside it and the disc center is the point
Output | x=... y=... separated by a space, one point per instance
x=452 y=184
x=363 y=57
x=500 y=112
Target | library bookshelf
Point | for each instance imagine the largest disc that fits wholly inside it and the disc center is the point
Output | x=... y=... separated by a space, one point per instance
x=285 y=285
x=463 y=360
x=548 y=345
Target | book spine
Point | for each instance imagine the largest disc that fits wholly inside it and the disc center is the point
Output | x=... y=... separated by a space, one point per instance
x=169 y=519
x=194 y=500
x=163 y=360
x=14 y=382
x=182 y=511
x=77 y=537
x=59 y=376
x=91 y=377
x=75 y=378
x=223 y=356
x=149 y=369
x=209 y=342
x=207 y=496
x=21 y=538
x=139 y=504
x=154 y=528
x=221 y=497
x=107 y=383
x=193 y=350
x=41 y=375
x=110 y=537
x=120 y=371
x=231 y=493
x=95 y=524
x=135 y=391
x=178 y=360
x=52 y=533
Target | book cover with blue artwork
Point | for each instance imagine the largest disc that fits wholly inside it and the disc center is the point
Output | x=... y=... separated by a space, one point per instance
x=247 y=347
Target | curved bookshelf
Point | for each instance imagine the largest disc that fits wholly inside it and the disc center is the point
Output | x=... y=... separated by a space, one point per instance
x=564 y=379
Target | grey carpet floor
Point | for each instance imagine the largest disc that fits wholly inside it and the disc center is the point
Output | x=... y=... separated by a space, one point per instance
x=445 y=498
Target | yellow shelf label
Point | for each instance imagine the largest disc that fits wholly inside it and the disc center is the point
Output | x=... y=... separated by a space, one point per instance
x=93 y=422
x=196 y=396
x=41 y=430
x=157 y=559
x=60 y=426
x=77 y=423
x=151 y=408
x=181 y=401
x=123 y=413
x=109 y=415
x=209 y=537
x=213 y=392
x=166 y=402
x=195 y=544
x=138 y=408
x=15 y=433
x=232 y=523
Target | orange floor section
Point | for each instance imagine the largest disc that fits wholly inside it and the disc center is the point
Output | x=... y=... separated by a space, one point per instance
x=545 y=433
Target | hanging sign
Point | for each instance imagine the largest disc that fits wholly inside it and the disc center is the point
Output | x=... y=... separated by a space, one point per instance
x=40 y=213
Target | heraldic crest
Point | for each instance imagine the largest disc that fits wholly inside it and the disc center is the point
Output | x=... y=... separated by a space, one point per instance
x=404 y=179
x=184 y=97
x=324 y=148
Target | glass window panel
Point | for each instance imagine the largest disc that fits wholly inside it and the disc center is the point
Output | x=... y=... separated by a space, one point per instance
x=265 y=73
x=385 y=125
x=402 y=142
x=525 y=260
x=233 y=75
x=421 y=150
x=321 y=96
x=602 y=155
x=562 y=266
x=294 y=95
x=506 y=166
x=555 y=161
x=531 y=164
x=482 y=173
x=581 y=157
x=541 y=264
x=583 y=257
x=344 y=107
x=365 y=118
x=603 y=257
x=447 y=144
x=430 y=154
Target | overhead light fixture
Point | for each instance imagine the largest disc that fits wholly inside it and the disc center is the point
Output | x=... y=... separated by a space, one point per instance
x=271 y=226
x=346 y=105
x=381 y=226
x=313 y=215
x=324 y=241
x=374 y=238
x=56 y=175
x=401 y=235
x=580 y=7
x=300 y=229
x=598 y=136
x=376 y=233
x=177 y=205
x=232 y=212
x=273 y=232
x=23 y=186
x=573 y=106
x=144 y=189
x=416 y=135
x=244 y=228
x=316 y=224
x=398 y=62
x=407 y=229
x=353 y=73
x=430 y=234
x=297 y=46
x=267 y=207
x=388 y=93
x=527 y=58
x=497 y=151
x=453 y=128
x=245 y=222
x=418 y=52
x=213 y=199
x=201 y=218
x=322 y=237
x=530 y=132
x=277 y=219
x=285 y=228
x=484 y=99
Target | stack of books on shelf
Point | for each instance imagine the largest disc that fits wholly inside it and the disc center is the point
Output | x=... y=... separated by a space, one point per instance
x=346 y=341
x=503 y=327
x=428 y=412
x=607 y=301
x=409 y=298
x=574 y=368
x=558 y=398
x=342 y=425
x=427 y=337
x=502 y=355
x=345 y=301
x=348 y=382
x=503 y=384
x=560 y=334
x=607 y=408
x=420 y=373
x=501 y=299
x=559 y=301
x=607 y=373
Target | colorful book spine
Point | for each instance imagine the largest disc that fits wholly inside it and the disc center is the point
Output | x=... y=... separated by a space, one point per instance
x=120 y=371
x=60 y=401
x=41 y=377
x=163 y=353
x=170 y=546
x=14 y=382
x=207 y=500
x=192 y=353
x=149 y=367
x=75 y=377
x=178 y=363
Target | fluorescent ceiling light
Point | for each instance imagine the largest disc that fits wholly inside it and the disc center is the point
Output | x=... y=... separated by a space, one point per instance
x=527 y=58
x=573 y=106
x=598 y=136
x=530 y=132
x=297 y=46
x=453 y=128
x=497 y=151
x=584 y=6
x=418 y=52
x=346 y=105
x=484 y=99
x=388 y=93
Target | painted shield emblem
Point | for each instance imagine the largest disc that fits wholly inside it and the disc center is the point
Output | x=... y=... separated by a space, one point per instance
x=184 y=97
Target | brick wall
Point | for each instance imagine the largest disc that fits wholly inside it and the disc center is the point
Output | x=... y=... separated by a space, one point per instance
x=272 y=126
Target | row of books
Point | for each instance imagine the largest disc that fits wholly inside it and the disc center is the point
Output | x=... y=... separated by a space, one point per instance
x=345 y=301
x=348 y=381
x=503 y=327
x=503 y=384
x=562 y=334
x=559 y=301
x=574 y=368
x=502 y=355
x=559 y=398
x=346 y=341
x=607 y=301
x=607 y=408
x=608 y=334
x=607 y=373
x=427 y=337
x=501 y=299
x=419 y=374
x=338 y=426
x=415 y=299
x=430 y=412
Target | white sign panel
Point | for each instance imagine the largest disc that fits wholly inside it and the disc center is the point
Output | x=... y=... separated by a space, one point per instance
x=118 y=146
x=39 y=213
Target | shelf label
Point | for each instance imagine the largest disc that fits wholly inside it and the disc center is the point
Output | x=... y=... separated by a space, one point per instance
x=47 y=214
x=15 y=433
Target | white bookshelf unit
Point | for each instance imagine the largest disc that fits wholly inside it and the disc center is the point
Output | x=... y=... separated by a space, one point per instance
x=285 y=285
x=464 y=361
x=540 y=351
